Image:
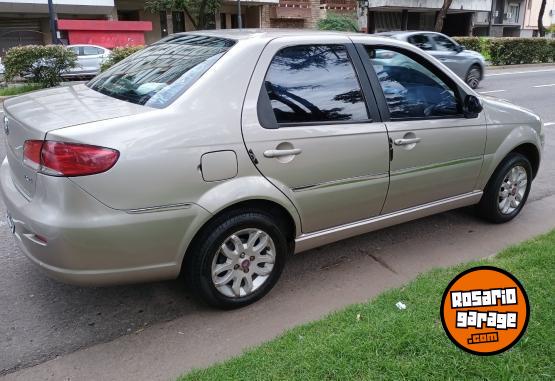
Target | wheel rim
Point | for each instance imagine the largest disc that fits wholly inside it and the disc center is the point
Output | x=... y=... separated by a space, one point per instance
x=513 y=189
x=473 y=78
x=243 y=263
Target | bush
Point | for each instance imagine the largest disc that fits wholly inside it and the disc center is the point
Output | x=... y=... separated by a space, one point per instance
x=511 y=50
x=338 y=22
x=119 y=54
x=39 y=64
x=471 y=43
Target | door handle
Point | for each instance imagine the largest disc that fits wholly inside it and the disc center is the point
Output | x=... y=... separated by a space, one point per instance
x=282 y=152
x=406 y=142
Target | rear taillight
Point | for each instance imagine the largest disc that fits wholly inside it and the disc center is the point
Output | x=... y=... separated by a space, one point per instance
x=68 y=159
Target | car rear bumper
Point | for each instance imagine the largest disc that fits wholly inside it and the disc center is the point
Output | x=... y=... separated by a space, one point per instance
x=77 y=239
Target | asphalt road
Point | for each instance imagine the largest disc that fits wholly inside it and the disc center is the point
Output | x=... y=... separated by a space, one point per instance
x=41 y=319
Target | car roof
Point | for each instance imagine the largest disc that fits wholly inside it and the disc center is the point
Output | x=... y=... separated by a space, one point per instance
x=267 y=34
x=398 y=33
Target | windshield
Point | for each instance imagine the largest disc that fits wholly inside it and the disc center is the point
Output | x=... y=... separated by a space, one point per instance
x=159 y=73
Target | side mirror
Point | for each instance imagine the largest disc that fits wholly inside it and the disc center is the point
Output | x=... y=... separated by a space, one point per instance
x=472 y=106
x=459 y=48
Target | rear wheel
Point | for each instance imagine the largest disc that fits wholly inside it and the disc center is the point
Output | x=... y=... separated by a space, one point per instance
x=237 y=259
x=507 y=190
x=473 y=76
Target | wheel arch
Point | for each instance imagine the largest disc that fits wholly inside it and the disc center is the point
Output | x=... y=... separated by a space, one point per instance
x=265 y=206
x=528 y=149
x=253 y=192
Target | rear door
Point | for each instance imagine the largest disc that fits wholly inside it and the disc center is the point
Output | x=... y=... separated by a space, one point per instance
x=437 y=152
x=90 y=58
x=311 y=123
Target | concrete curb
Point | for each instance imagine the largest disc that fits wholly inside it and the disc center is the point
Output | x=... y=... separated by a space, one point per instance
x=525 y=66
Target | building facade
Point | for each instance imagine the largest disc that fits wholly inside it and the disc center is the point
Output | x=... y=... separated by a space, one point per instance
x=498 y=18
x=387 y=15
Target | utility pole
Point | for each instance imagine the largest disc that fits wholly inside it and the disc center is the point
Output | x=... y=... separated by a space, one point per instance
x=52 y=22
x=239 y=21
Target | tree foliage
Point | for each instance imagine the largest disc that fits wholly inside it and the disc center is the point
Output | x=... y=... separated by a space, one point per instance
x=200 y=12
x=338 y=22
x=39 y=64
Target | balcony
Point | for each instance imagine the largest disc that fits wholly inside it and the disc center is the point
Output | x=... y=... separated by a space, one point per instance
x=339 y=4
x=291 y=9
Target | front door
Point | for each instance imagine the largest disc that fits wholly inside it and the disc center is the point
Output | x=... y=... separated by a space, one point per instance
x=437 y=152
x=445 y=50
x=311 y=122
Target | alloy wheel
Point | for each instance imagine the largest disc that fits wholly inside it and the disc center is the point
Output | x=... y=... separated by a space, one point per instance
x=243 y=263
x=513 y=189
x=473 y=78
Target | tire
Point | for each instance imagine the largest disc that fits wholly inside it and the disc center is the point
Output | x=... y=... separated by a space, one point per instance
x=491 y=206
x=206 y=255
x=473 y=76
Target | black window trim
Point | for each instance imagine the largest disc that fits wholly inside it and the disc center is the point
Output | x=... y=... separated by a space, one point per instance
x=460 y=94
x=266 y=116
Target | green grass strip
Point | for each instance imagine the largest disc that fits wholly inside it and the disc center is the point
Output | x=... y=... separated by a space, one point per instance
x=18 y=90
x=386 y=343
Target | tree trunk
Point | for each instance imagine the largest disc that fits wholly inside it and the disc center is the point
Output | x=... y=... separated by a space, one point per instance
x=442 y=13
x=541 y=28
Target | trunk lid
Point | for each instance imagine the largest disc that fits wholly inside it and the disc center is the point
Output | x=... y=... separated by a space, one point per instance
x=32 y=116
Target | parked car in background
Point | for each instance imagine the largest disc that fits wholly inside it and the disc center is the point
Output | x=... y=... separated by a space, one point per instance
x=218 y=154
x=89 y=59
x=467 y=64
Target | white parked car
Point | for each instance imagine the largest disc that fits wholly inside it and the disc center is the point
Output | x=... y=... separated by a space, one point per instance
x=89 y=59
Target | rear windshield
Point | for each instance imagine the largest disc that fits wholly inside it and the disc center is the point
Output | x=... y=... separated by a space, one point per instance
x=159 y=73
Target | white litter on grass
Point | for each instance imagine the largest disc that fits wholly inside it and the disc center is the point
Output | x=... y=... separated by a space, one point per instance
x=401 y=305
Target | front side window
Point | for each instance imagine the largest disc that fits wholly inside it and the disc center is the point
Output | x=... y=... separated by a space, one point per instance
x=314 y=83
x=159 y=73
x=411 y=90
x=422 y=41
x=443 y=43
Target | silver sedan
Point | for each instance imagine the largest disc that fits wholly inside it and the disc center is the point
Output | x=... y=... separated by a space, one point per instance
x=467 y=64
x=219 y=154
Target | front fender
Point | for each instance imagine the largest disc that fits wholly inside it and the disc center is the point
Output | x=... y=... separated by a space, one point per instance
x=502 y=140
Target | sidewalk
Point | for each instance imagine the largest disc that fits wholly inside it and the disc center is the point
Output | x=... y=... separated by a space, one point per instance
x=525 y=66
x=203 y=337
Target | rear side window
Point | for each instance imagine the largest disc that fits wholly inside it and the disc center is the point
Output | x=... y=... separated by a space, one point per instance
x=314 y=83
x=158 y=74
x=422 y=41
x=411 y=90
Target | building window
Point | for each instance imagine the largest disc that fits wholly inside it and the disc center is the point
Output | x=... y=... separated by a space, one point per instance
x=128 y=15
x=178 y=20
x=223 y=21
x=235 y=22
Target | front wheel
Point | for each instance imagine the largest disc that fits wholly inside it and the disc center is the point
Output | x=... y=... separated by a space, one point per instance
x=507 y=190
x=473 y=76
x=237 y=259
